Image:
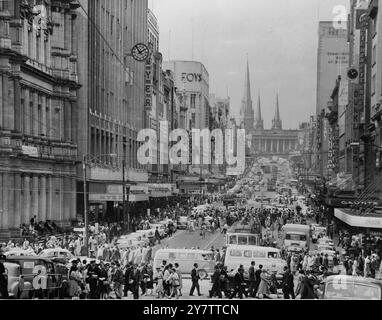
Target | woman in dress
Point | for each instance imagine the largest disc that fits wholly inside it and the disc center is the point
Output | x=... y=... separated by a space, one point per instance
x=75 y=282
x=175 y=283
x=159 y=280
x=265 y=283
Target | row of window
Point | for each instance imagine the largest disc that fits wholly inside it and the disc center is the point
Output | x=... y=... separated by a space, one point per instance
x=253 y=254
x=39 y=116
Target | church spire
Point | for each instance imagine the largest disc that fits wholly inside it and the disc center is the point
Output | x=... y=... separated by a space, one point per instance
x=246 y=111
x=247 y=85
x=277 y=123
x=259 y=123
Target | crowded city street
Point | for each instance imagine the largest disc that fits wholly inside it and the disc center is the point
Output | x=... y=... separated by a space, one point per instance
x=209 y=150
x=204 y=250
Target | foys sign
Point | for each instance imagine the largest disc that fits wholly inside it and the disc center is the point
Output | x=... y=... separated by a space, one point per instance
x=191 y=77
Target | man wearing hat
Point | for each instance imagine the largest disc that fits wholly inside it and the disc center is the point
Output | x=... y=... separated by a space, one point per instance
x=195 y=280
x=92 y=278
x=117 y=278
x=3 y=278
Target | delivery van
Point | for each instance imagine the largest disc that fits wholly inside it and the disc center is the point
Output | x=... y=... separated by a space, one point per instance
x=186 y=259
x=296 y=237
x=269 y=257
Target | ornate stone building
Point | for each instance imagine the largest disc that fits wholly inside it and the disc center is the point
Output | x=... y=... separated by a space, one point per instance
x=38 y=112
x=265 y=142
x=274 y=141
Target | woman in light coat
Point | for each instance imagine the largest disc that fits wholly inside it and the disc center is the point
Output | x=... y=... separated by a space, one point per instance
x=265 y=283
x=355 y=267
x=159 y=287
x=75 y=280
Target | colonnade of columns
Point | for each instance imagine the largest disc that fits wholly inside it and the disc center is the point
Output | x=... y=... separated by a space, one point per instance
x=23 y=195
x=275 y=145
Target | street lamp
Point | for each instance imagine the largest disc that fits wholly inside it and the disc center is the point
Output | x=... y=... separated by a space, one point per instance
x=86 y=218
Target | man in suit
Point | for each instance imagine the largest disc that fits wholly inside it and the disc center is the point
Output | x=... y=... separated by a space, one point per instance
x=239 y=284
x=258 y=280
x=288 y=284
x=252 y=278
x=92 y=278
x=195 y=280
x=126 y=287
x=135 y=280
x=216 y=287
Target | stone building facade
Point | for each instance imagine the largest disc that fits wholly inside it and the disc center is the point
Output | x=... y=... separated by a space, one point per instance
x=38 y=112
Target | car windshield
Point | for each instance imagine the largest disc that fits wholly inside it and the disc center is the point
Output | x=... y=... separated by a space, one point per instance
x=273 y=255
x=336 y=290
x=208 y=256
x=295 y=237
x=232 y=240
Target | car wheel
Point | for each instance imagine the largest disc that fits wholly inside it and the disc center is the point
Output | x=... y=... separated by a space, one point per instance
x=202 y=274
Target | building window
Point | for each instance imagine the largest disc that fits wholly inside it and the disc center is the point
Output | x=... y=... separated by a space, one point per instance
x=193 y=120
x=374 y=54
x=39 y=110
x=193 y=101
x=373 y=83
x=31 y=113
x=22 y=110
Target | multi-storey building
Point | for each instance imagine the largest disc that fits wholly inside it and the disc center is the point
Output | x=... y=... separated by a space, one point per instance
x=111 y=103
x=332 y=55
x=191 y=81
x=38 y=112
x=220 y=117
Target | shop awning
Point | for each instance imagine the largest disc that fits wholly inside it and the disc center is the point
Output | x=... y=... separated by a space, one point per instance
x=356 y=220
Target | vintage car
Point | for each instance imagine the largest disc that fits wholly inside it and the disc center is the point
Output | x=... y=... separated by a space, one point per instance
x=56 y=275
x=57 y=254
x=13 y=272
x=19 y=252
x=343 y=287
x=182 y=223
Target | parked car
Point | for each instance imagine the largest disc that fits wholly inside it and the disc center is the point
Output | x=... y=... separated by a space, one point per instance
x=182 y=223
x=58 y=255
x=13 y=273
x=56 y=274
x=343 y=287
x=20 y=252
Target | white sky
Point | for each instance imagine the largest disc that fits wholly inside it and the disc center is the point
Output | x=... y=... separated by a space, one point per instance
x=280 y=37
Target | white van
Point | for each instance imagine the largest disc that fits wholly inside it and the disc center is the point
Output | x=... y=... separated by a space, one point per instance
x=296 y=237
x=246 y=239
x=269 y=257
x=186 y=259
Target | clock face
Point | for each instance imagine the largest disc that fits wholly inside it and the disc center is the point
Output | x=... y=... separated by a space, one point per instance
x=353 y=74
x=140 y=52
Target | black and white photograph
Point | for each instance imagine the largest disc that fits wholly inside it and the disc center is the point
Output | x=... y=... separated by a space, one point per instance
x=190 y=156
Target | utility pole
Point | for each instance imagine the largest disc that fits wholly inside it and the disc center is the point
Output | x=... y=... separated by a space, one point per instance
x=124 y=191
x=85 y=208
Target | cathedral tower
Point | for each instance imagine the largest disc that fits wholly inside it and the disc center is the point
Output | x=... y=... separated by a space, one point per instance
x=246 y=112
x=276 y=122
x=259 y=123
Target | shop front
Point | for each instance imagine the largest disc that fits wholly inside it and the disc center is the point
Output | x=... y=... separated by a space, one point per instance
x=105 y=202
x=138 y=202
x=160 y=195
x=367 y=224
